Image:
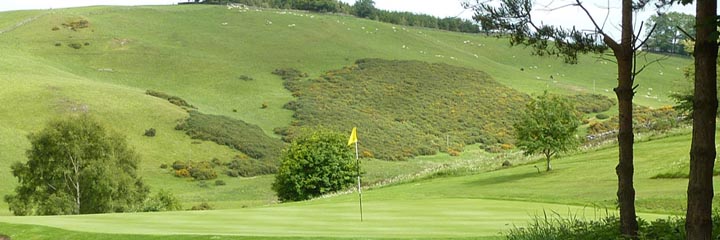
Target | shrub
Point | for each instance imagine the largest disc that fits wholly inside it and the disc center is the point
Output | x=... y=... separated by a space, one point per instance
x=172 y=99
x=86 y=44
x=493 y=148
x=163 y=166
x=264 y=106
x=506 y=163
x=367 y=154
x=75 y=45
x=592 y=103
x=177 y=165
x=150 y=132
x=243 y=167
x=220 y=183
x=202 y=206
x=77 y=24
x=245 y=78
x=55 y=28
x=182 y=173
x=602 y=116
x=202 y=171
x=162 y=201
x=239 y=135
x=314 y=164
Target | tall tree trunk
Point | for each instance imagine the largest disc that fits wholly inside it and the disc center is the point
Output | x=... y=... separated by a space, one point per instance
x=625 y=92
x=702 y=149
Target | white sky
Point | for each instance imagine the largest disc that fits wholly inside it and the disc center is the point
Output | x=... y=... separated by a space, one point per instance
x=570 y=16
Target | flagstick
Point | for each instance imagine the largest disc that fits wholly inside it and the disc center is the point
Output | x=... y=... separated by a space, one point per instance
x=357 y=159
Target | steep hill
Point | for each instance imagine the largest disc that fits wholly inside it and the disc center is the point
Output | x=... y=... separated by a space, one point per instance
x=102 y=60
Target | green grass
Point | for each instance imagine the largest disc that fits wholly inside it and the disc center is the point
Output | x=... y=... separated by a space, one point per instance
x=187 y=51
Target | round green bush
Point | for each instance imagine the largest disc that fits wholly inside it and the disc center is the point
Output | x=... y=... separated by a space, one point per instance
x=314 y=164
x=602 y=116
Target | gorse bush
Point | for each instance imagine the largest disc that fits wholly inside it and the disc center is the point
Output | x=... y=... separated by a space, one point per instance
x=244 y=167
x=246 y=138
x=172 y=99
x=644 y=119
x=406 y=108
x=592 y=103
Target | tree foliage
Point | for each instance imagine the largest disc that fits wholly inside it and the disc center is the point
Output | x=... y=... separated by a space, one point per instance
x=76 y=167
x=668 y=34
x=314 y=164
x=548 y=126
x=365 y=9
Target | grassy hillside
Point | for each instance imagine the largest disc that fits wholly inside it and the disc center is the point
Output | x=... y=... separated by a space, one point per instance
x=221 y=61
x=444 y=206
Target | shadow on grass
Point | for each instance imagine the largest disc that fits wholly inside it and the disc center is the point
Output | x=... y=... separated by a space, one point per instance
x=507 y=178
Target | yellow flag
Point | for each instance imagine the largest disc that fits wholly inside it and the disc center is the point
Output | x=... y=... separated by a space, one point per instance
x=353 y=136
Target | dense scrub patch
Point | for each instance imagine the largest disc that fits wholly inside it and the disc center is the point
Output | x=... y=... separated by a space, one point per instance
x=172 y=99
x=406 y=108
x=592 y=103
x=644 y=119
x=246 y=138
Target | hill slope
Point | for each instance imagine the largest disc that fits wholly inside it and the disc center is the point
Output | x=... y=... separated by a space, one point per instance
x=222 y=61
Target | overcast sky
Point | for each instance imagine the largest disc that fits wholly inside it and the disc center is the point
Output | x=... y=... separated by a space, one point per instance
x=569 y=16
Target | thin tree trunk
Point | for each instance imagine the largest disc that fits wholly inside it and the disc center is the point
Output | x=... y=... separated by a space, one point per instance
x=702 y=149
x=624 y=92
x=549 y=167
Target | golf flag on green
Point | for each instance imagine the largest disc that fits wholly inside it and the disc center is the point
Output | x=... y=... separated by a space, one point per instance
x=354 y=139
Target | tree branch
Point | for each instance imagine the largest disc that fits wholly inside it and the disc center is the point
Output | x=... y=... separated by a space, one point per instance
x=607 y=39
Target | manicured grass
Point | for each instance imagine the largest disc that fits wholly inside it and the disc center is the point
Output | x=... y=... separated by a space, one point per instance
x=421 y=218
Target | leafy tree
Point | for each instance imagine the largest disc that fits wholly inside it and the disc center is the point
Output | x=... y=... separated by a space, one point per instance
x=514 y=17
x=668 y=36
x=76 y=167
x=364 y=8
x=314 y=164
x=548 y=126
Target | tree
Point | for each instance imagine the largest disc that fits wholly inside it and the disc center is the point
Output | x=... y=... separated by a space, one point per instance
x=514 y=17
x=700 y=192
x=75 y=167
x=548 y=126
x=314 y=164
x=669 y=36
x=364 y=8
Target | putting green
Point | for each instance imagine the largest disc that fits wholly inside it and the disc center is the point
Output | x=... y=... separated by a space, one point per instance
x=427 y=218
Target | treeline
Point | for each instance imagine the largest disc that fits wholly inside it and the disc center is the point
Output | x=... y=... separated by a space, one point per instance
x=363 y=9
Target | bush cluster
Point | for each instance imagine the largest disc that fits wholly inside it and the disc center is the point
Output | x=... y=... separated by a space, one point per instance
x=76 y=24
x=162 y=201
x=172 y=99
x=246 y=138
x=201 y=207
x=244 y=167
x=405 y=108
x=592 y=103
x=197 y=170
x=644 y=119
